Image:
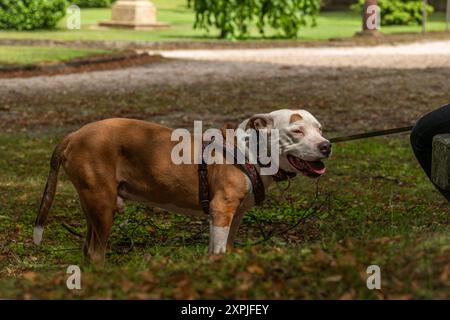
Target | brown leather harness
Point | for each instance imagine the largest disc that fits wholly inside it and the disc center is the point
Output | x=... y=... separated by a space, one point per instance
x=250 y=171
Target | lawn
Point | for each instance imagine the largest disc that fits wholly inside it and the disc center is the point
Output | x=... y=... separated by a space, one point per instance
x=23 y=55
x=367 y=211
x=175 y=12
x=374 y=205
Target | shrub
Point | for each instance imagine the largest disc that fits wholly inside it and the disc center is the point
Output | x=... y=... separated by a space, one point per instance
x=234 y=17
x=31 y=14
x=398 y=12
x=92 y=3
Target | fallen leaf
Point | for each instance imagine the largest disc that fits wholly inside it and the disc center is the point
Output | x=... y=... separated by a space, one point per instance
x=254 y=268
x=348 y=259
x=30 y=276
x=216 y=257
x=348 y=295
x=321 y=257
x=401 y=297
x=334 y=278
x=445 y=274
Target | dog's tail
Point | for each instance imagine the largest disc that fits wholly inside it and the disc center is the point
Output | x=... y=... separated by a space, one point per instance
x=49 y=193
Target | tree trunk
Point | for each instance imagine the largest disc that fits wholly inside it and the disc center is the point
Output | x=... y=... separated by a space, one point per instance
x=367 y=16
x=223 y=34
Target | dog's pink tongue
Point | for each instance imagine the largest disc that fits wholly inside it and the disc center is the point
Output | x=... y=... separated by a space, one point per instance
x=317 y=166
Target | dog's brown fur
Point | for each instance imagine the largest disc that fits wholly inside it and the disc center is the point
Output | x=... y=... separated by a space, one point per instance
x=114 y=160
x=131 y=159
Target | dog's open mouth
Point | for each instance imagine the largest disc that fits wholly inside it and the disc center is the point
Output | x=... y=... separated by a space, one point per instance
x=312 y=169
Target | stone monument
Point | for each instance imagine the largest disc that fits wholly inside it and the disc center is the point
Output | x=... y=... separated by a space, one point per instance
x=133 y=14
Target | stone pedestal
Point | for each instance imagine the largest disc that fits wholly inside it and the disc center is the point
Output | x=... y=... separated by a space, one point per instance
x=369 y=33
x=133 y=14
x=440 y=163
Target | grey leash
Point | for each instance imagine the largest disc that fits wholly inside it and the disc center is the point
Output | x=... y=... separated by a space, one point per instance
x=371 y=134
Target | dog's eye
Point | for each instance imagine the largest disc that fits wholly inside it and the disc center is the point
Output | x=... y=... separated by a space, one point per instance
x=297 y=131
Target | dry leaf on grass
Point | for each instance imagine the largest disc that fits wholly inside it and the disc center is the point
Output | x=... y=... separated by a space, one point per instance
x=254 y=268
x=335 y=278
x=30 y=276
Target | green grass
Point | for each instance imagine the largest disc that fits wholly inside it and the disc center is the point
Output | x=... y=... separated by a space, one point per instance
x=31 y=55
x=181 y=19
x=375 y=206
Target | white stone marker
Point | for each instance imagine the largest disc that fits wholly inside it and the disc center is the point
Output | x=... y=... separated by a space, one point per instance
x=134 y=14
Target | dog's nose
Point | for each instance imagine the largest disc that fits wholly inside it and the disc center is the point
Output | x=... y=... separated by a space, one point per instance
x=325 y=148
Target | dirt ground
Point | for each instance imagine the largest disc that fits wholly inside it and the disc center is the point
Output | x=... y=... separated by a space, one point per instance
x=339 y=85
x=99 y=62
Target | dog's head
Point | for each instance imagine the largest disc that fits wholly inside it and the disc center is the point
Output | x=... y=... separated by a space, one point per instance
x=302 y=146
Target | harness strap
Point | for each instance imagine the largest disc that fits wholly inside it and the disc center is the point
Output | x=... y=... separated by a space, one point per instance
x=249 y=169
x=203 y=182
x=252 y=173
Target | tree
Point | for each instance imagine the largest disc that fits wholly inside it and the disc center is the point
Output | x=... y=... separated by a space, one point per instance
x=234 y=17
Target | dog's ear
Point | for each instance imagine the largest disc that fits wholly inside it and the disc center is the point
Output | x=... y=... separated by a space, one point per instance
x=260 y=121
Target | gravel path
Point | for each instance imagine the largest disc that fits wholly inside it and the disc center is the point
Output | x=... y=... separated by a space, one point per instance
x=228 y=65
x=406 y=56
x=348 y=88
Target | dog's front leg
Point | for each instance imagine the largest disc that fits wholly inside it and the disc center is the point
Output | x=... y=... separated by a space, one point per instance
x=218 y=238
x=222 y=212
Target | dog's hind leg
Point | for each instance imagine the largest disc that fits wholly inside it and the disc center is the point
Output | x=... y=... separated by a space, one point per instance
x=87 y=241
x=99 y=207
x=235 y=223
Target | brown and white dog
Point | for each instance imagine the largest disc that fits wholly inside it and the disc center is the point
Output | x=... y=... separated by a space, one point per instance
x=117 y=160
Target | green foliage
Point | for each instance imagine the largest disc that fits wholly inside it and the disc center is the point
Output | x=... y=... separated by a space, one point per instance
x=287 y=15
x=92 y=3
x=234 y=17
x=398 y=12
x=31 y=14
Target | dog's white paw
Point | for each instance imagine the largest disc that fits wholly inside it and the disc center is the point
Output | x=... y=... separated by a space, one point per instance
x=219 y=237
x=220 y=249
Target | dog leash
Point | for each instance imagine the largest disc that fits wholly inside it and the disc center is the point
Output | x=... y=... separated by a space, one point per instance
x=371 y=134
